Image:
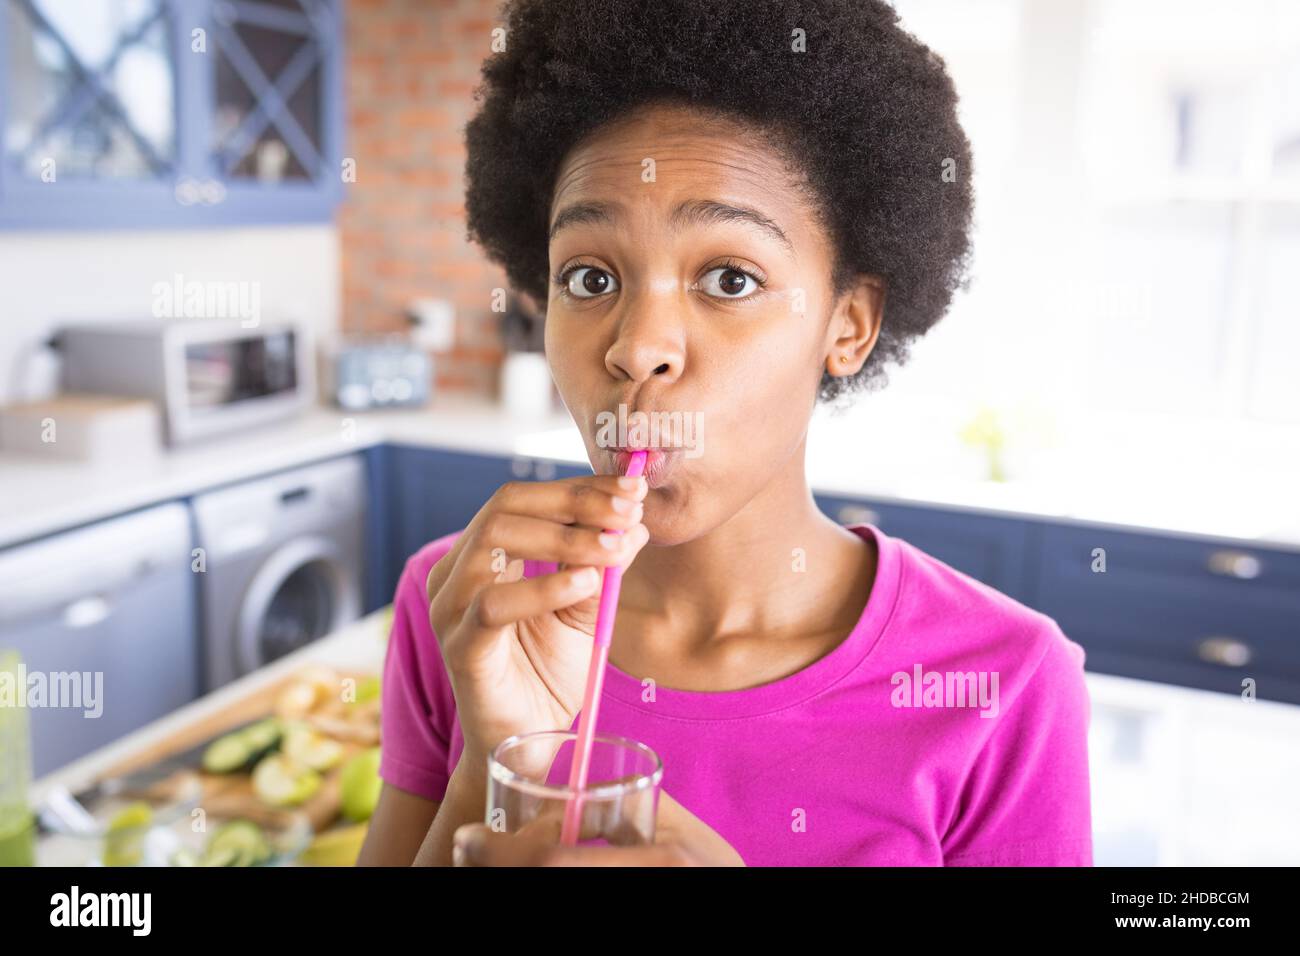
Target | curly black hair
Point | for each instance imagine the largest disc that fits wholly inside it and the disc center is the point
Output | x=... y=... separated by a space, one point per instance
x=865 y=112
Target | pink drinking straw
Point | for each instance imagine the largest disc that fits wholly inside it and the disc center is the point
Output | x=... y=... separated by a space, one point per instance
x=610 y=585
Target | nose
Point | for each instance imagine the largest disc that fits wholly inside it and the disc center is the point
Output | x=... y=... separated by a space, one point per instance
x=649 y=337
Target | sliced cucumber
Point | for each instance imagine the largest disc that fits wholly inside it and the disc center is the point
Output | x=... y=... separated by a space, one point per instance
x=245 y=838
x=226 y=754
x=263 y=735
x=242 y=748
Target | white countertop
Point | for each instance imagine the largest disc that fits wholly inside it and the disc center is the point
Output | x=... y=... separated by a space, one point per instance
x=1122 y=479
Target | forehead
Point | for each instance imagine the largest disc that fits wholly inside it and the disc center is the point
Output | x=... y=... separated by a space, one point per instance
x=697 y=158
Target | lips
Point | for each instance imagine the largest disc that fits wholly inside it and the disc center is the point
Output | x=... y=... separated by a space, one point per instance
x=659 y=463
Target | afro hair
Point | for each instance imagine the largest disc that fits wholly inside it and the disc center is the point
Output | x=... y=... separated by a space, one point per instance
x=864 y=111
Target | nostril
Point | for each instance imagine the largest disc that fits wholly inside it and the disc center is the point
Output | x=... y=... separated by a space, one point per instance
x=662 y=368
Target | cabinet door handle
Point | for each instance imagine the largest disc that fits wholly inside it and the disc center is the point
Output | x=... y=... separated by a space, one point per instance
x=1225 y=651
x=1235 y=564
x=213 y=191
x=858 y=514
x=187 y=192
x=86 y=612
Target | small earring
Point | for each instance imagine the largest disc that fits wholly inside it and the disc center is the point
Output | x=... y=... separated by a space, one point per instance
x=844 y=358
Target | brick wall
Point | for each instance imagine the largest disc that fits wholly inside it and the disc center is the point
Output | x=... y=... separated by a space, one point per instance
x=412 y=66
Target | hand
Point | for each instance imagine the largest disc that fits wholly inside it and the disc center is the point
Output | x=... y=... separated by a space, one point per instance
x=517 y=651
x=681 y=839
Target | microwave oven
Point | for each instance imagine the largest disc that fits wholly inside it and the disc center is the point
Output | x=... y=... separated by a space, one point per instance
x=208 y=376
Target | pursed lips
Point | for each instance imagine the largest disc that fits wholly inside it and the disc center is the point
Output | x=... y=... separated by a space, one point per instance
x=658 y=464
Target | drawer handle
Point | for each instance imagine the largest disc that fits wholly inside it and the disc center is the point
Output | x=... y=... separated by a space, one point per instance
x=1236 y=564
x=86 y=612
x=1226 y=651
x=858 y=514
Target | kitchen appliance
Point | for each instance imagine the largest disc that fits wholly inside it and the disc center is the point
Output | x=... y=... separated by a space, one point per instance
x=379 y=374
x=104 y=619
x=283 y=564
x=208 y=376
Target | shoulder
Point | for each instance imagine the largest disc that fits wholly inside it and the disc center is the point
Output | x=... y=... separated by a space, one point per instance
x=971 y=625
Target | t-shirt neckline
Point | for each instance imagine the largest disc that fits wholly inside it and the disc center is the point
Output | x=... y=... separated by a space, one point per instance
x=795 y=688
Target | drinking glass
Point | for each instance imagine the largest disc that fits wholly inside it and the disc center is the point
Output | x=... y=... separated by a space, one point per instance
x=528 y=780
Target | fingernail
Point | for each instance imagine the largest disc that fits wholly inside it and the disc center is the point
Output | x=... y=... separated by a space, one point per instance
x=457 y=855
x=585 y=579
x=623 y=505
x=631 y=484
x=609 y=541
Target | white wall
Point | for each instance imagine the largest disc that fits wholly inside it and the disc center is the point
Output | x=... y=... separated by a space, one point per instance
x=50 y=277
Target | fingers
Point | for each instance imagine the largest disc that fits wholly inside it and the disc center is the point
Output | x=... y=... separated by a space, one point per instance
x=525 y=521
x=537 y=843
x=539 y=539
x=657 y=854
x=597 y=501
x=477 y=844
x=584 y=500
x=501 y=604
x=505 y=602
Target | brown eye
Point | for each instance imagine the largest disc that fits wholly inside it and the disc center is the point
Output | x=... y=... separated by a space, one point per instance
x=728 y=283
x=587 y=282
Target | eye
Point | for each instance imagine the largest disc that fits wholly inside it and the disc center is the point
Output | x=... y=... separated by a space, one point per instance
x=587 y=282
x=729 y=282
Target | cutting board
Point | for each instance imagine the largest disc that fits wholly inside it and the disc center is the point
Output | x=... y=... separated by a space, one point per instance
x=231 y=795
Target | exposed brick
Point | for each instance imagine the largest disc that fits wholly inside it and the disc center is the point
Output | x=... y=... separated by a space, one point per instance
x=413 y=66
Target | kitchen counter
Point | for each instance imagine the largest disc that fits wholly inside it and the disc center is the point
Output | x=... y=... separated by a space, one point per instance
x=38 y=497
x=357 y=648
x=1194 y=480
x=1179 y=777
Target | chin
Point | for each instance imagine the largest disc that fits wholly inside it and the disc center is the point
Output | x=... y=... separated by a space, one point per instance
x=669 y=521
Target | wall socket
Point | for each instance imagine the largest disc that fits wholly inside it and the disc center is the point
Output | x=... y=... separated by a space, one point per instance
x=434 y=324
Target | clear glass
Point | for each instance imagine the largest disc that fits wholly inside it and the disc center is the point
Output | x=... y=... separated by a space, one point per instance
x=17 y=826
x=269 y=155
x=528 y=777
x=56 y=115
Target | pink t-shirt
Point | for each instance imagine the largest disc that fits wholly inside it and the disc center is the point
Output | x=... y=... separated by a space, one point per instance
x=949 y=728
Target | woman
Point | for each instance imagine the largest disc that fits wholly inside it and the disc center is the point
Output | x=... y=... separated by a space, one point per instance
x=732 y=211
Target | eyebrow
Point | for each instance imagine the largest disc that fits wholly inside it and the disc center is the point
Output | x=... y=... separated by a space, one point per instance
x=696 y=212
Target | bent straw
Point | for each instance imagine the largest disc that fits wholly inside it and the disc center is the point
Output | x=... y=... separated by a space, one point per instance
x=611 y=583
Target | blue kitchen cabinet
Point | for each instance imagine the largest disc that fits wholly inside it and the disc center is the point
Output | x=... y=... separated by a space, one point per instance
x=169 y=113
x=991 y=549
x=433 y=492
x=1200 y=612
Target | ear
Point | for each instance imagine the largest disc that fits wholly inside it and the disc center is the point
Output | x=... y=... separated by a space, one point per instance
x=855 y=325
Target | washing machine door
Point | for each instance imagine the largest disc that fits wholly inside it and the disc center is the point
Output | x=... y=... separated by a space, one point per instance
x=299 y=594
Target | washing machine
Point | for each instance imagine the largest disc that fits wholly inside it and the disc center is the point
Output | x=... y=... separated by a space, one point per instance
x=283 y=561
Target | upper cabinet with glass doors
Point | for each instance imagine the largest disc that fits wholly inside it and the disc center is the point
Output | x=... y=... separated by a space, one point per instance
x=169 y=113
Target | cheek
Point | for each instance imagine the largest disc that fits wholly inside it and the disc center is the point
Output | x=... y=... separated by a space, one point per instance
x=773 y=361
x=564 y=355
